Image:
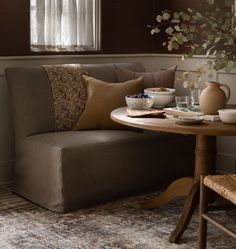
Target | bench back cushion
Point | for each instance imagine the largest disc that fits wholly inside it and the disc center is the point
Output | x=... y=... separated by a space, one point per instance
x=31 y=95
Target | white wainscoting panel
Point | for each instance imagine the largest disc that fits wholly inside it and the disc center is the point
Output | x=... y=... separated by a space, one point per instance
x=152 y=62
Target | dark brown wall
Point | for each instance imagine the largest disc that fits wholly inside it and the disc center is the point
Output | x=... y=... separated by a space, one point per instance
x=124 y=25
x=14 y=27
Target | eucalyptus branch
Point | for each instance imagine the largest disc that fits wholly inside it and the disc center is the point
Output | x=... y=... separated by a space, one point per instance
x=212 y=34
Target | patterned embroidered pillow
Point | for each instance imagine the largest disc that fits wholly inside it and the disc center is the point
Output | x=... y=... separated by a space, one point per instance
x=69 y=94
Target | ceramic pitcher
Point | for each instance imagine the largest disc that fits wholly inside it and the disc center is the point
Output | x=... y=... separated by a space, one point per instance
x=213 y=98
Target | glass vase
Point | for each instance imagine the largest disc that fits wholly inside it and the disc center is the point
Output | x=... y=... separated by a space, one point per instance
x=194 y=99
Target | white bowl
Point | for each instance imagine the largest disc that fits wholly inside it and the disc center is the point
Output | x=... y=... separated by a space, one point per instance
x=228 y=116
x=138 y=102
x=161 y=98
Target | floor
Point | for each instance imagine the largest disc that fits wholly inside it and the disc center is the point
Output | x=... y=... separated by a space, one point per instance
x=120 y=224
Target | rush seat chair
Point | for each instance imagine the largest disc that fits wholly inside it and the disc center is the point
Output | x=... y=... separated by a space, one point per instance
x=224 y=186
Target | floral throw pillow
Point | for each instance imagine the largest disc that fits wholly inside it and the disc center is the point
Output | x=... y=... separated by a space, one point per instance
x=68 y=92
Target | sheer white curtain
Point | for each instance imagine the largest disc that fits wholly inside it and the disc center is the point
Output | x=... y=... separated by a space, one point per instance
x=63 y=24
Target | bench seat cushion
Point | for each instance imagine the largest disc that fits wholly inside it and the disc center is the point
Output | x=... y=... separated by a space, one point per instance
x=69 y=170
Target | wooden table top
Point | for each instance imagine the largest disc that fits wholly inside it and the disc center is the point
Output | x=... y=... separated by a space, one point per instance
x=207 y=128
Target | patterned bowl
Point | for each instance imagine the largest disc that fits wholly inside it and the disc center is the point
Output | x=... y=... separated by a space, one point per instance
x=139 y=102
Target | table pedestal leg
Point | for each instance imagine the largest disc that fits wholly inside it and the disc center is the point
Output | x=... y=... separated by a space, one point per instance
x=178 y=188
x=190 y=205
x=205 y=154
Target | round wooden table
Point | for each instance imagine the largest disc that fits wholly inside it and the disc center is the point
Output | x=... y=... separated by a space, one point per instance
x=205 y=158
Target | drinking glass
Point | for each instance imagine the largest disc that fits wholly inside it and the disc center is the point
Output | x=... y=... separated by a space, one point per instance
x=182 y=103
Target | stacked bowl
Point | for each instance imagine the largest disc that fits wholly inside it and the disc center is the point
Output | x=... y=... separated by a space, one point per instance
x=162 y=96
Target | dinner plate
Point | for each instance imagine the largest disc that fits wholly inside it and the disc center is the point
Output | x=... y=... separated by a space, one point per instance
x=188 y=120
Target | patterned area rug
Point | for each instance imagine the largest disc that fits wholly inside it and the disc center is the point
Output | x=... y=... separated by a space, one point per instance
x=116 y=225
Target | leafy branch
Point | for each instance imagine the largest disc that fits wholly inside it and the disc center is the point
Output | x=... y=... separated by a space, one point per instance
x=212 y=34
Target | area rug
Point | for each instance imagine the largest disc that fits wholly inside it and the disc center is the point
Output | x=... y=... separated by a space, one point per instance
x=120 y=224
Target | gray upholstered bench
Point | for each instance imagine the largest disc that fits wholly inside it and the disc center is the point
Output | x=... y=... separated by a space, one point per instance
x=64 y=171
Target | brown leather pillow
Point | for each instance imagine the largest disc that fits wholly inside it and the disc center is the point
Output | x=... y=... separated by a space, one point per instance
x=103 y=98
x=163 y=78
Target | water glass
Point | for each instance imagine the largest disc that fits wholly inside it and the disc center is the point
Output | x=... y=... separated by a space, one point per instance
x=182 y=103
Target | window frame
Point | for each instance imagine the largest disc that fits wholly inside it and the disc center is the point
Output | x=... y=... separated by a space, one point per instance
x=74 y=49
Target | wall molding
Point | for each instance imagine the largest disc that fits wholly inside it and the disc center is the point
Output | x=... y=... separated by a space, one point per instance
x=30 y=57
x=187 y=64
x=43 y=57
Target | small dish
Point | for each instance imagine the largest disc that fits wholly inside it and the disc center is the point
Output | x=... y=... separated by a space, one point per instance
x=188 y=120
x=228 y=116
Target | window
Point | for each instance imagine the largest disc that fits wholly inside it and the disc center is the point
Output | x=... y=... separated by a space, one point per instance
x=65 y=25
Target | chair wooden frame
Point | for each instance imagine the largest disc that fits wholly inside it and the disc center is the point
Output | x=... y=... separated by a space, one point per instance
x=204 y=218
